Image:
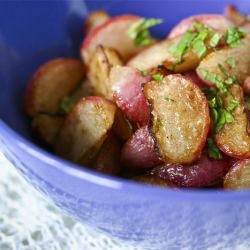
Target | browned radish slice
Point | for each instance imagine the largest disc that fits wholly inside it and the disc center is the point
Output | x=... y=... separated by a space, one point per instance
x=98 y=70
x=108 y=159
x=232 y=14
x=238 y=176
x=233 y=139
x=126 y=86
x=159 y=54
x=192 y=75
x=151 y=180
x=205 y=172
x=85 y=129
x=216 y=22
x=83 y=90
x=152 y=56
x=159 y=70
x=50 y=83
x=179 y=118
x=111 y=34
x=140 y=151
x=95 y=19
x=246 y=27
x=122 y=127
x=47 y=127
x=239 y=54
x=246 y=86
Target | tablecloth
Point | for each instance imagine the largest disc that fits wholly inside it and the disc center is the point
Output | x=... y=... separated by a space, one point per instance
x=29 y=221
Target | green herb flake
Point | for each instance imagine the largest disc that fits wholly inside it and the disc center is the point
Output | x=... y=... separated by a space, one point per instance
x=139 y=31
x=157 y=77
x=215 y=40
x=196 y=39
x=214 y=114
x=231 y=62
x=220 y=115
x=200 y=48
x=212 y=103
x=229 y=81
x=142 y=72
x=228 y=116
x=209 y=91
x=233 y=36
x=203 y=73
x=221 y=121
x=213 y=151
x=184 y=45
x=233 y=104
x=223 y=70
x=66 y=104
x=214 y=78
x=199 y=26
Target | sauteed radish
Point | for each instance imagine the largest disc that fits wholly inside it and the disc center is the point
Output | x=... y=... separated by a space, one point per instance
x=171 y=112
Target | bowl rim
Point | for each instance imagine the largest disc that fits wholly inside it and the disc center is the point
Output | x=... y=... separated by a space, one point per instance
x=117 y=183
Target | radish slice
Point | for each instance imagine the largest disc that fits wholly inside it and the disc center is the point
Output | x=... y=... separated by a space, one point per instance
x=139 y=151
x=180 y=118
x=238 y=176
x=112 y=34
x=205 y=172
x=126 y=87
x=246 y=86
x=192 y=75
x=216 y=22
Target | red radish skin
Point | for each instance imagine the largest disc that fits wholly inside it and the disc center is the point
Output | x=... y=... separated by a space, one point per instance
x=246 y=86
x=205 y=172
x=111 y=34
x=216 y=22
x=192 y=75
x=139 y=152
x=126 y=85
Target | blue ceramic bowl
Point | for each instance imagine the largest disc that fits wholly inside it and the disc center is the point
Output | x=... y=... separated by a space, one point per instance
x=32 y=32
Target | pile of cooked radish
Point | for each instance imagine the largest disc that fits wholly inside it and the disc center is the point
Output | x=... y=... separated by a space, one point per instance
x=171 y=112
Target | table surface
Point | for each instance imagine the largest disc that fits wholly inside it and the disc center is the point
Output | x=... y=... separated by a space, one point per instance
x=28 y=221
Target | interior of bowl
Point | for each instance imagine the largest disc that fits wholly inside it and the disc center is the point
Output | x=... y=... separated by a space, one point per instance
x=32 y=32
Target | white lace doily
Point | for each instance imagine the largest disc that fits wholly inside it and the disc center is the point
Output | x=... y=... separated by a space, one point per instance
x=29 y=222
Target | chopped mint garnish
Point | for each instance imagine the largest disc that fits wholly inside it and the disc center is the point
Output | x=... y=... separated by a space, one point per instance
x=184 y=45
x=223 y=70
x=213 y=151
x=233 y=36
x=198 y=39
x=214 y=78
x=219 y=113
x=214 y=41
x=231 y=62
x=233 y=104
x=142 y=72
x=66 y=104
x=157 y=77
x=200 y=48
x=139 y=31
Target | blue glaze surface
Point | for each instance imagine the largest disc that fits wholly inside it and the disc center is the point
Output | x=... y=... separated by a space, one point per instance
x=32 y=32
